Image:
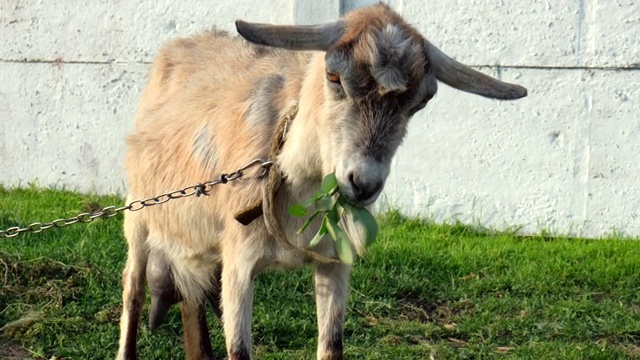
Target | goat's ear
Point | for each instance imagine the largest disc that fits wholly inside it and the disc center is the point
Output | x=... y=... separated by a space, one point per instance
x=467 y=79
x=292 y=37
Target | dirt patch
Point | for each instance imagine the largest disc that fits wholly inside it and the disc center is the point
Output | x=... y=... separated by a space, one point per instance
x=633 y=351
x=446 y=312
x=414 y=307
x=12 y=351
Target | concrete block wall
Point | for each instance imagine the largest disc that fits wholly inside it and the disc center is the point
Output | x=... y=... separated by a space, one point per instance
x=564 y=159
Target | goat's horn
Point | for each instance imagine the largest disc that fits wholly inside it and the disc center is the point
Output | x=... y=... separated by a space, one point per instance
x=292 y=37
x=467 y=79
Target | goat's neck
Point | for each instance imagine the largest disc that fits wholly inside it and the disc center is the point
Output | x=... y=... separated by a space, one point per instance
x=303 y=156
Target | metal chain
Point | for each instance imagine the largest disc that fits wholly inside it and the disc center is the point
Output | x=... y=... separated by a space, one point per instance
x=110 y=211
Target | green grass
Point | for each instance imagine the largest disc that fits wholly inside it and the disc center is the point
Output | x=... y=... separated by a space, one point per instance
x=446 y=291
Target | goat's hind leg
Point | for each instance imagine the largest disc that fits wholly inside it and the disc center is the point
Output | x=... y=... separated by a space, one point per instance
x=165 y=294
x=215 y=295
x=133 y=286
x=197 y=344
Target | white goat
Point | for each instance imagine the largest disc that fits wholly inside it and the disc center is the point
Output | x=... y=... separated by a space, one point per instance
x=212 y=104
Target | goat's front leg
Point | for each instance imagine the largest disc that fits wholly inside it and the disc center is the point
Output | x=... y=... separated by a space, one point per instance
x=332 y=291
x=237 y=301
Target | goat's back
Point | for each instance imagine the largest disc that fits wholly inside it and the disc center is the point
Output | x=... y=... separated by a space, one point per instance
x=211 y=105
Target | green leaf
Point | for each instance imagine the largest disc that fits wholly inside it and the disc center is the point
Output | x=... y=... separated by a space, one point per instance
x=329 y=183
x=334 y=215
x=326 y=203
x=316 y=197
x=320 y=234
x=364 y=217
x=308 y=222
x=308 y=203
x=342 y=243
x=298 y=210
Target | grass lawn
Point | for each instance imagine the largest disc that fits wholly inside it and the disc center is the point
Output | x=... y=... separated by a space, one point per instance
x=423 y=291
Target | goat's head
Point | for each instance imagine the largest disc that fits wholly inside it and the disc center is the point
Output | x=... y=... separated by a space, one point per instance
x=379 y=71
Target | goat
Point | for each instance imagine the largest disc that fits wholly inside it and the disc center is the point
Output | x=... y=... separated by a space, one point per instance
x=212 y=104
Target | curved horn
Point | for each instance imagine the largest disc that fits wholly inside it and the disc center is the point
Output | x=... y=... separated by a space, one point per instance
x=467 y=79
x=292 y=37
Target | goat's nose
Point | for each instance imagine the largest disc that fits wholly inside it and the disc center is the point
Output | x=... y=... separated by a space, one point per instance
x=363 y=189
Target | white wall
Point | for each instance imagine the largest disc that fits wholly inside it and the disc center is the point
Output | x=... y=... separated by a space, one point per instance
x=564 y=159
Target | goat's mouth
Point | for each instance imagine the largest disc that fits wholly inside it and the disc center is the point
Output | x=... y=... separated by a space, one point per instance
x=361 y=180
x=361 y=196
x=363 y=203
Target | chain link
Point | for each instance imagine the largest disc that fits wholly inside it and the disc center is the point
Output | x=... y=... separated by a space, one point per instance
x=110 y=211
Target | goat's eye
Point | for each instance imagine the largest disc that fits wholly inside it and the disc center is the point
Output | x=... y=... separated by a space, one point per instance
x=422 y=103
x=333 y=77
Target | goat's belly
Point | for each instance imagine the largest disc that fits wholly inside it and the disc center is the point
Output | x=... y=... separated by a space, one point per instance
x=192 y=269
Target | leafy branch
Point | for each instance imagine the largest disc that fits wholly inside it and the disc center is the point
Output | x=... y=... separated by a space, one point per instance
x=332 y=204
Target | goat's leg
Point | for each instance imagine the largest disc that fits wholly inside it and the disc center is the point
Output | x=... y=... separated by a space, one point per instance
x=133 y=286
x=332 y=291
x=197 y=344
x=214 y=295
x=237 y=302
